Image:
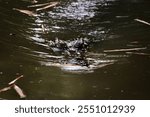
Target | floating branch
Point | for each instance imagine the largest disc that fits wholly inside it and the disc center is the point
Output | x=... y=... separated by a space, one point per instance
x=19 y=91
x=125 y=50
x=27 y=12
x=142 y=21
x=52 y=4
x=16 y=79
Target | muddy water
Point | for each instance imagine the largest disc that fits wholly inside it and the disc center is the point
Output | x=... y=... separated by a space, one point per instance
x=110 y=24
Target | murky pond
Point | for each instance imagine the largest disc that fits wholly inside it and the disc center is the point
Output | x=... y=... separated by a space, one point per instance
x=79 y=49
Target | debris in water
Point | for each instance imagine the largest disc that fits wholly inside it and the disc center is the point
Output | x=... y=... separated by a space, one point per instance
x=27 y=12
x=43 y=28
x=15 y=87
x=13 y=82
x=125 y=50
x=138 y=53
x=142 y=21
x=19 y=91
x=37 y=7
x=5 y=89
x=125 y=16
x=50 y=5
x=104 y=65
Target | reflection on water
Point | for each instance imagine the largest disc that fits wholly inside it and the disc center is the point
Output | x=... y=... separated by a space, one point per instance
x=49 y=50
x=76 y=10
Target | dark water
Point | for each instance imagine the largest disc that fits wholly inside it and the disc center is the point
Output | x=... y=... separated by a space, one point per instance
x=109 y=24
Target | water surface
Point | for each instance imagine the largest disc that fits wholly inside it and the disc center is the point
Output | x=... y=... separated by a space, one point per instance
x=109 y=24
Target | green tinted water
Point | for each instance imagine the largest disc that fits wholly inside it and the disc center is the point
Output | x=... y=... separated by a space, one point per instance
x=110 y=23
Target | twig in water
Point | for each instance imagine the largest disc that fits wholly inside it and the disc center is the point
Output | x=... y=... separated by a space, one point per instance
x=38 y=5
x=19 y=91
x=12 y=82
x=5 y=89
x=137 y=53
x=142 y=21
x=15 y=87
x=52 y=4
x=125 y=50
x=104 y=65
x=27 y=12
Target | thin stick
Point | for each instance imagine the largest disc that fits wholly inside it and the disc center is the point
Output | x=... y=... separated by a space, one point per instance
x=104 y=65
x=137 y=53
x=19 y=91
x=27 y=12
x=5 y=89
x=12 y=82
x=43 y=28
x=48 y=6
x=125 y=50
x=142 y=21
x=38 y=5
